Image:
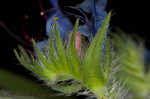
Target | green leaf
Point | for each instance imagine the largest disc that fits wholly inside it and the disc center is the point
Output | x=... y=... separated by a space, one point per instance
x=20 y=84
x=131 y=68
x=42 y=59
x=107 y=60
x=92 y=71
x=61 y=51
x=72 y=54
x=24 y=59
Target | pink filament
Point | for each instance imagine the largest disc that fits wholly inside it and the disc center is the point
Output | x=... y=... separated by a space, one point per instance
x=78 y=43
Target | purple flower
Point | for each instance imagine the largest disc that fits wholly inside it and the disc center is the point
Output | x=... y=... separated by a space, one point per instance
x=96 y=8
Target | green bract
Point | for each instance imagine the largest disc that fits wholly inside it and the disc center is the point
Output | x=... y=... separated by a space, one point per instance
x=59 y=65
x=131 y=69
x=101 y=72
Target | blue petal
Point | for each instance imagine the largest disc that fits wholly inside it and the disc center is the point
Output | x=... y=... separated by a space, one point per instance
x=63 y=23
x=84 y=30
x=97 y=8
x=87 y=5
x=42 y=44
x=102 y=3
x=54 y=3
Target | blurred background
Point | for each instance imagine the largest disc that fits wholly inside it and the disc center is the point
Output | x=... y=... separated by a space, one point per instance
x=22 y=18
